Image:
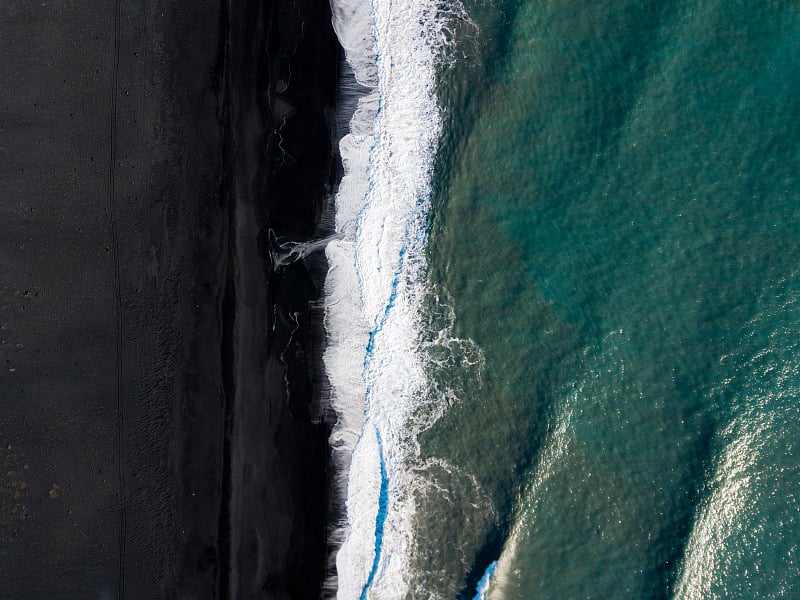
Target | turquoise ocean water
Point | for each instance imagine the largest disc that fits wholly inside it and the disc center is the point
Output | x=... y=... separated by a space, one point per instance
x=615 y=238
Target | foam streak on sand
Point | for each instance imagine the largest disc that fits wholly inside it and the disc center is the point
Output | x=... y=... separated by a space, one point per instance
x=374 y=288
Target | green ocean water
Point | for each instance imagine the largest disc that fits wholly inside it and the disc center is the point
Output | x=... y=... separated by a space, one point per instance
x=616 y=227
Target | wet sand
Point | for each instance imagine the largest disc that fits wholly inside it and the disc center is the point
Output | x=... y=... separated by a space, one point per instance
x=157 y=438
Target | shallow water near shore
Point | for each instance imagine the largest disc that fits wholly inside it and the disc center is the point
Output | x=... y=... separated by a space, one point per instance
x=608 y=330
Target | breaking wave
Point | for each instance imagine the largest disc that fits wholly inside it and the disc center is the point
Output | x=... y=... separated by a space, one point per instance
x=375 y=287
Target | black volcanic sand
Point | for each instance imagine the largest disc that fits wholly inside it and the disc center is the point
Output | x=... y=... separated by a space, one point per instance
x=157 y=435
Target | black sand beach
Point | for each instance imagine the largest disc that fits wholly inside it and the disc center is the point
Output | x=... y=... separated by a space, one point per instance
x=156 y=432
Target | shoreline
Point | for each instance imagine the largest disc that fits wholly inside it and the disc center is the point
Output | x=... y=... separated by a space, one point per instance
x=282 y=182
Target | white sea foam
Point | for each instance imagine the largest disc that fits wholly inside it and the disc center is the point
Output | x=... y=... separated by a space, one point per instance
x=375 y=286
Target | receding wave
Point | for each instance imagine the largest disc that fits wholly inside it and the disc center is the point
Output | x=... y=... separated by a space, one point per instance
x=376 y=284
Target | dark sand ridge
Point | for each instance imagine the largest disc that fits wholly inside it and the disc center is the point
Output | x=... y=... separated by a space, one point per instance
x=156 y=439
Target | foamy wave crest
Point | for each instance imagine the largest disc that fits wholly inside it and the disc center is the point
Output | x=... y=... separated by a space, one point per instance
x=375 y=286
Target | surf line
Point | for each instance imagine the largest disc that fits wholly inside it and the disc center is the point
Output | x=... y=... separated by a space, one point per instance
x=380 y=521
x=383 y=495
x=376 y=284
